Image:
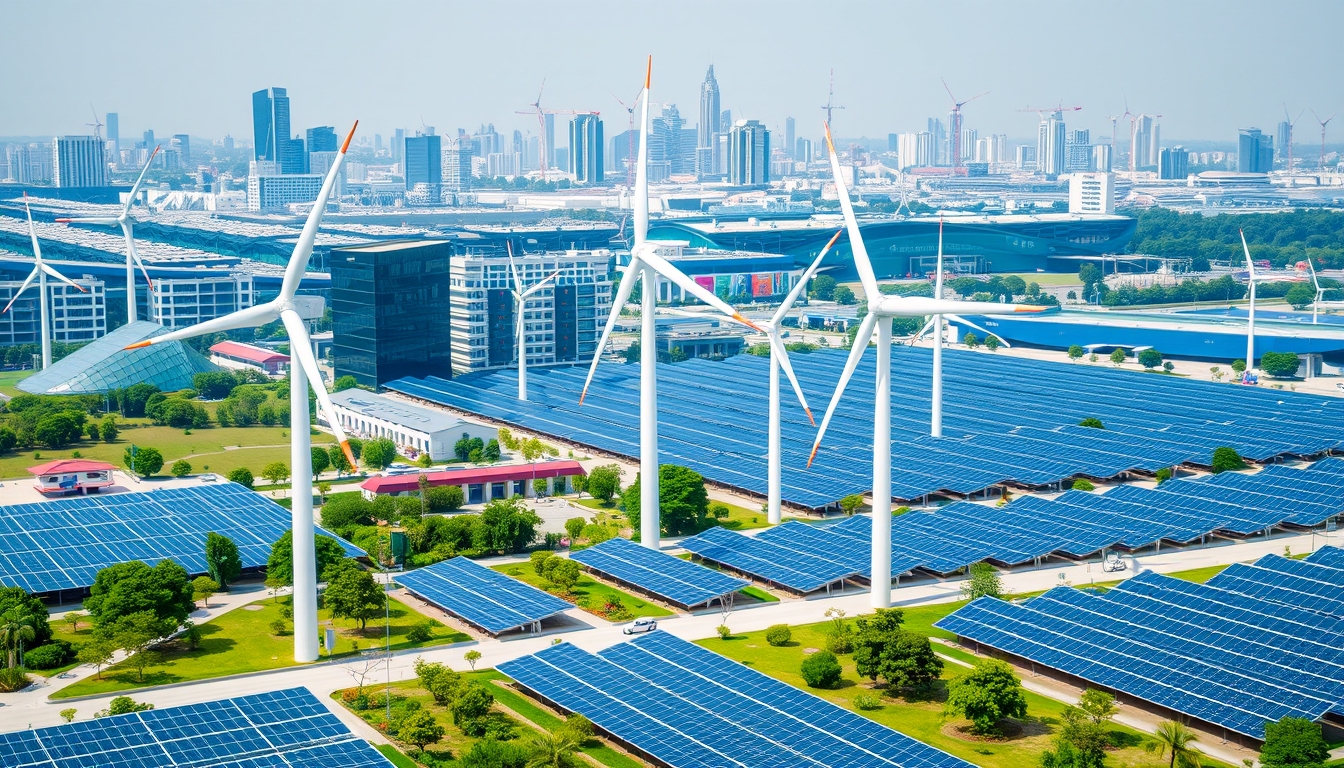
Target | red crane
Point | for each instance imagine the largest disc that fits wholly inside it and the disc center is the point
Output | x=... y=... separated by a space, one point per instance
x=629 y=139
x=1323 y=123
x=955 y=127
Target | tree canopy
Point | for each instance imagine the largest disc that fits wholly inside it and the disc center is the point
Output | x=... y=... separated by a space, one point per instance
x=682 y=497
x=280 y=565
x=125 y=588
x=222 y=559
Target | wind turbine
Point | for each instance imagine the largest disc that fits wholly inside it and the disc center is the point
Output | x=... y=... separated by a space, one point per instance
x=881 y=310
x=522 y=296
x=127 y=224
x=285 y=307
x=1291 y=122
x=1252 y=279
x=40 y=271
x=1323 y=123
x=645 y=265
x=1316 y=302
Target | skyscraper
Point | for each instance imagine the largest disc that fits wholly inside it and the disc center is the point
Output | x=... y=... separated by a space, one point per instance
x=1173 y=163
x=424 y=163
x=586 y=148
x=77 y=161
x=665 y=145
x=709 y=127
x=1078 y=151
x=802 y=150
x=550 y=140
x=183 y=145
x=938 y=134
x=1282 y=136
x=149 y=139
x=456 y=164
x=790 y=134
x=1255 y=151
x=399 y=145
x=270 y=124
x=114 y=132
x=322 y=139
x=748 y=153
x=1144 y=147
x=1050 y=141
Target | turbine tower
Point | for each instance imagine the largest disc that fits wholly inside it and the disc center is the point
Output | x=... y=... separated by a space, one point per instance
x=1316 y=302
x=127 y=224
x=522 y=295
x=882 y=309
x=40 y=272
x=285 y=307
x=1252 y=279
x=645 y=266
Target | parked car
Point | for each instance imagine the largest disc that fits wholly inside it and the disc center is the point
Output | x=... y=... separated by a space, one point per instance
x=208 y=478
x=640 y=625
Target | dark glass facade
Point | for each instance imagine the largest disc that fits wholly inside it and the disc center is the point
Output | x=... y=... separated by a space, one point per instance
x=499 y=314
x=389 y=311
x=566 y=322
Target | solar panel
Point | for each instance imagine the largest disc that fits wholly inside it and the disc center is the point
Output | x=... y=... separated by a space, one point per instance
x=481 y=596
x=793 y=567
x=282 y=728
x=671 y=578
x=56 y=545
x=688 y=707
x=1331 y=556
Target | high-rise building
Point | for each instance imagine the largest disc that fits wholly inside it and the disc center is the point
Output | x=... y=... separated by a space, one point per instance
x=320 y=162
x=1078 y=151
x=802 y=150
x=78 y=161
x=1282 y=136
x=748 y=153
x=424 y=163
x=322 y=139
x=456 y=165
x=183 y=302
x=561 y=323
x=1255 y=151
x=390 y=310
x=148 y=138
x=586 y=148
x=1025 y=157
x=665 y=144
x=1092 y=193
x=915 y=150
x=269 y=190
x=1173 y=163
x=182 y=143
x=270 y=125
x=938 y=133
x=790 y=134
x=1145 y=146
x=399 y=145
x=550 y=140
x=1050 y=145
x=114 y=132
x=1101 y=158
x=708 y=130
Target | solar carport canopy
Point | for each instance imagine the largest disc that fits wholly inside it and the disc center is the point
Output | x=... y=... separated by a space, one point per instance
x=486 y=598
x=671 y=578
x=49 y=546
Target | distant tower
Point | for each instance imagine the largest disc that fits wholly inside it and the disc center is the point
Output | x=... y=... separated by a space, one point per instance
x=707 y=135
x=114 y=133
x=586 y=147
x=789 y=135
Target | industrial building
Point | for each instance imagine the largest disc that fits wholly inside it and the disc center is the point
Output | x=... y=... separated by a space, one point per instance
x=740 y=277
x=76 y=316
x=183 y=302
x=237 y=355
x=414 y=428
x=481 y=484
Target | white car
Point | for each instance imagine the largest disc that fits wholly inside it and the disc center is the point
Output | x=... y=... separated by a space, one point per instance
x=640 y=625
x=209 y=478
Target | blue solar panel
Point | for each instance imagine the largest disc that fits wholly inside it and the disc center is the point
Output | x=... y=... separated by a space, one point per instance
x=713 y=418
x=1331 y=556
x=59 y=545
x=484 y=597
x=691 y=708
x=238 y=733
x=671 y=578
x=794 y=567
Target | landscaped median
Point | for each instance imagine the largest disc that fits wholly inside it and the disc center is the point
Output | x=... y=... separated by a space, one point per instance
x=589 y=594
x=245 y=640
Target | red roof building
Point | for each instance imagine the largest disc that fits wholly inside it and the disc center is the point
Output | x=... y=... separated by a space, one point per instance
x=234 y=354
x=72 y=476
x=481 y=484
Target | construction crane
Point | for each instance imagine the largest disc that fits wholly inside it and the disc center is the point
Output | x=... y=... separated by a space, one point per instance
x=541 y=114
x=955 y=126
x=1291 y=123
x=830 y=105
x=629 y=140
x=1133 y=131
x=96 y=125
x=1323 y=123
x=1114 y=118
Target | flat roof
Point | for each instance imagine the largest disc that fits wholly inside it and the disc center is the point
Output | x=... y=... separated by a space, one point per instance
x=470 y=476
x=397 y=412
x=248 y=352
x=828 y=220
x=390 y=245
x=71 y=465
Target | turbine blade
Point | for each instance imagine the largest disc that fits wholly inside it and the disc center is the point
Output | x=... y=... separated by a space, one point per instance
x=541 y=284
x=802 y=281
x=89 y=220
x=27 y=282
x=623 y=290
x=134 y=254
x=136 y=189
x=63 y=278
x=860 y=252
x=777 y=348
x=1250 y=265
x=301 y=349
x=927 y=327
x=855 y=355
x=32 y=231
x=968 y=323
x=919 y=306
x=250 y=317
x=641 y=201
x=666 y=269
x=298 y=260
x=513 y=268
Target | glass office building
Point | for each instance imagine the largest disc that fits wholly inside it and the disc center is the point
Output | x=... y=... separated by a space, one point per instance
x=390 y=310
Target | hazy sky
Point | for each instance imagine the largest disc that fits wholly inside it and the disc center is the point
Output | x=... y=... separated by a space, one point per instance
x=1207 y=67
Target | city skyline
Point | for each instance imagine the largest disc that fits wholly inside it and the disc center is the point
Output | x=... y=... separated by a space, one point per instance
x=886 y=86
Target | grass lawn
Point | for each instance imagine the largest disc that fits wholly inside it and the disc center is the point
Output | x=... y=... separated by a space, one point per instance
x=739 y=518
x=394 y=756
x=759 y=594
x=455 y=743
x=587 y=591
x=1049 y=278
x=241 y=641
x=10 y=379
x=923 y=718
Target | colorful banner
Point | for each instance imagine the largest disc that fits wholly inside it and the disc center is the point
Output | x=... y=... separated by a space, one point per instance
x=762 y=285
x=706 y=282
x=723 y=286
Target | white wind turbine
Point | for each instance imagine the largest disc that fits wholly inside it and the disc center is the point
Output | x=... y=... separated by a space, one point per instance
x=1316 y=302
x=646 y=265
x=1251 y=279
x=522 y=295
x=285 y=307
x=127 y=224
x=881 y=310
x=40 y=272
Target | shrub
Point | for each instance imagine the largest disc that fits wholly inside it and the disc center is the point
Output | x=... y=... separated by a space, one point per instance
x=181 y=468
x=986 y=695
x=778 y=635
x=421 y=632
x=278 y=627
x=1163 y=475
x=1118 y=356
x=867 y=702
x=1093 y=422
x=13 y=679
x=241 y=476
x=1293 y=742
x=124 y=705
x=49 y=656
x=1075 y=351
x=724 y=631
x=1226 y=459
x=1150 y=358
x=1279 y=364
x=821 y=670
x=1083 y=484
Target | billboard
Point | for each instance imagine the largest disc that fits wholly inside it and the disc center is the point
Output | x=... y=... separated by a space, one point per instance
x=762 y=285
x=706 y=282
x=723 y=286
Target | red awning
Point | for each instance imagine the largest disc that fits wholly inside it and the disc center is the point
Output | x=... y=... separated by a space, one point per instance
x=258 y=355
x=62 y=466
x=497 y=474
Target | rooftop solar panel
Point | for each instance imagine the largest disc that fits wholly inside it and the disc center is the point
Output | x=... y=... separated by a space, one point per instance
x=57 y=545
x=688 y=707
x=481 y=596
x=676 y=580
x=1331 y=556
x=240 y=733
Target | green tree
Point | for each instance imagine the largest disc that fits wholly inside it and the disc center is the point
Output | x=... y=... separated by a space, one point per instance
x=181 y=468
x=1238 y=366
x=202 y=588
x=15 y=598
x=844 y=295
x=321 y=460
x=1098 y=705
x=983 y=582
x=137 y=634
x=563 y=573
x=280 y=564
x=1226 y=459
x=821 y=670
x=123 y=589
x=681 y=495
x=446 y=498
x=778 y=634
x=241 y=476
x=97 y=654
x=1280 y=365
x=1118 y=356
x=1093 y=422
x=574 y=527
x=1163 y=475
x=17 y=630
x=1176 y=740
x=419 y=729
x=343 y=383
x=1294 y=742
x=852 y=503
x=57 y=430
x=222 y=559
x=471 y=702
x=472 y=657
x=971 y=340
x=337 y=461
x=107 y=429
x=437 y=680
x=551 y=749
x=986 y=695
x=125 y=705
x=604 y=482
x=1300 y=295
x=276 y=472
x=214 y=385
x=1015 y=286
x=353 y=594
x=506 y=525
x=991 y=343
x=8 y=439
x=823 y=288
x=492 y=450
x=146 y=461
x=1075 y=352
x=379 y=453
x=1150 y=358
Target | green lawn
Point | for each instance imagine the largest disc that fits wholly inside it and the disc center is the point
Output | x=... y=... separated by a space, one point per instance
x=10 y=379
x=1048 y=278
x=587 y=591
x=923 y=718
x=759 y=594
x=241 y=641
x=394 y=756
x=739 y=518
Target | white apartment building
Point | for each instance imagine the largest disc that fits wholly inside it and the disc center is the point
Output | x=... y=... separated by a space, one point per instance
x=182 y=302
x=1092 y=193
x=76 y=316
x=562 y=322
x=268 y=189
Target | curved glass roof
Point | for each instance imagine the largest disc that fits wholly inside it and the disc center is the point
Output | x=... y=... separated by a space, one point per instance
x=104 y=365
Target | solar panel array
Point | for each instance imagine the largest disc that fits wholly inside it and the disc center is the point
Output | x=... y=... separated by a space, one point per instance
x=714 y=416
x=1075 y=524
x=1255 y=644
x=671 y=578
x=484 y=597
x=62 y=544
x=282 y=728
x=688 y=707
